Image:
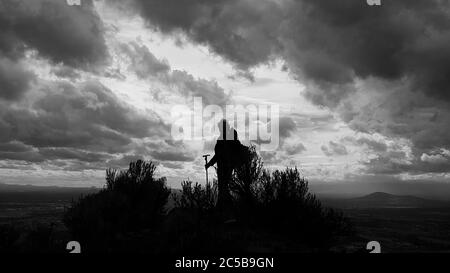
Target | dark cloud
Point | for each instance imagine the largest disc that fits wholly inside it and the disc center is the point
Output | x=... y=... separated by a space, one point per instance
x=88 y=116
x=339 y=49
x=25 y=156
x=15 y=147
x=241 y=31
x=62 y=33
x=328 y=43
x=286 y=126
x=334 y=149
x=85 y=122
x=337 y=42
x=382 y=70
x=403 y=115
x=143 y=62
x=189 y=86
x=147 y=66
x=15 y=79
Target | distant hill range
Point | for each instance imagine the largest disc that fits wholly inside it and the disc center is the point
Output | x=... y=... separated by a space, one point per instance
x=31 y=188
x=385 y=200
x=29 y=193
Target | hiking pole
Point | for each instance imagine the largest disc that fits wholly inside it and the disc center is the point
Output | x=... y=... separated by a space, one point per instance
x=206 y=162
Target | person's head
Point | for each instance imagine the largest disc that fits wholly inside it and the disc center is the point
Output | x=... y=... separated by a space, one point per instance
x=224 y=127
x=226 y=131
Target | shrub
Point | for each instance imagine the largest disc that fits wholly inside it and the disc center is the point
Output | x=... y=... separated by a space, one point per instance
x=29 y=237
x=196 y=197
x=280 y=201
x=132 y=200
x=274 y=211
x=271 y=209
x=243 y=181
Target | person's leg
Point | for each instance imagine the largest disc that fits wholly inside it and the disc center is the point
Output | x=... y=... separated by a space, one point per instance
x=221 y=186
x=227 y=172
x=227 y=204
x=224 y=197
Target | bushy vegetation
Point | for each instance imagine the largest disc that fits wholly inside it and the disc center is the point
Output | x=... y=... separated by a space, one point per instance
x=271 y=207
x=132 y=200
x=29 y=236
x=271 y=211
x=281 y=201
x=195 y=196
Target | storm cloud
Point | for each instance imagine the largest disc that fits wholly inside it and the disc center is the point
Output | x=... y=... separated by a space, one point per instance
x=15 y=79
x=64 y=34
x=383 y=69
x=330 y=43
x=85 y=122
x=52 y=29
x=147 y=67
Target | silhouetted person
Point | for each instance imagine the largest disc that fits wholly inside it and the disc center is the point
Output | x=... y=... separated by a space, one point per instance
x=227 y=156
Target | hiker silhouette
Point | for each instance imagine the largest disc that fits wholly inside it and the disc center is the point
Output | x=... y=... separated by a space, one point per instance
x=229 y=154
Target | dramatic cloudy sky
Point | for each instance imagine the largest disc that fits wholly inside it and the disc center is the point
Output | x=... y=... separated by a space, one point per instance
x=364 y=91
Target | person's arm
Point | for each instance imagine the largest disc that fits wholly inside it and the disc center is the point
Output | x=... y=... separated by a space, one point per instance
x=211 y=162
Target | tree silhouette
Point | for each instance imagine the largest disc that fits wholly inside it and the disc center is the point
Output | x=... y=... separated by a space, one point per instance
x=132 y=200
x=269 y=208
x=197 y=197
x=280 y=201
x=264 y=202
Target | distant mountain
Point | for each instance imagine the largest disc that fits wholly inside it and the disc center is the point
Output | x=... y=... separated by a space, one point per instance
x=386 y=200
x=30 y=188
x=38 y=194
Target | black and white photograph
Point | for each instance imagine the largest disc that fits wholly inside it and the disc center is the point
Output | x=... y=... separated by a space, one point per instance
x=254 y=128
